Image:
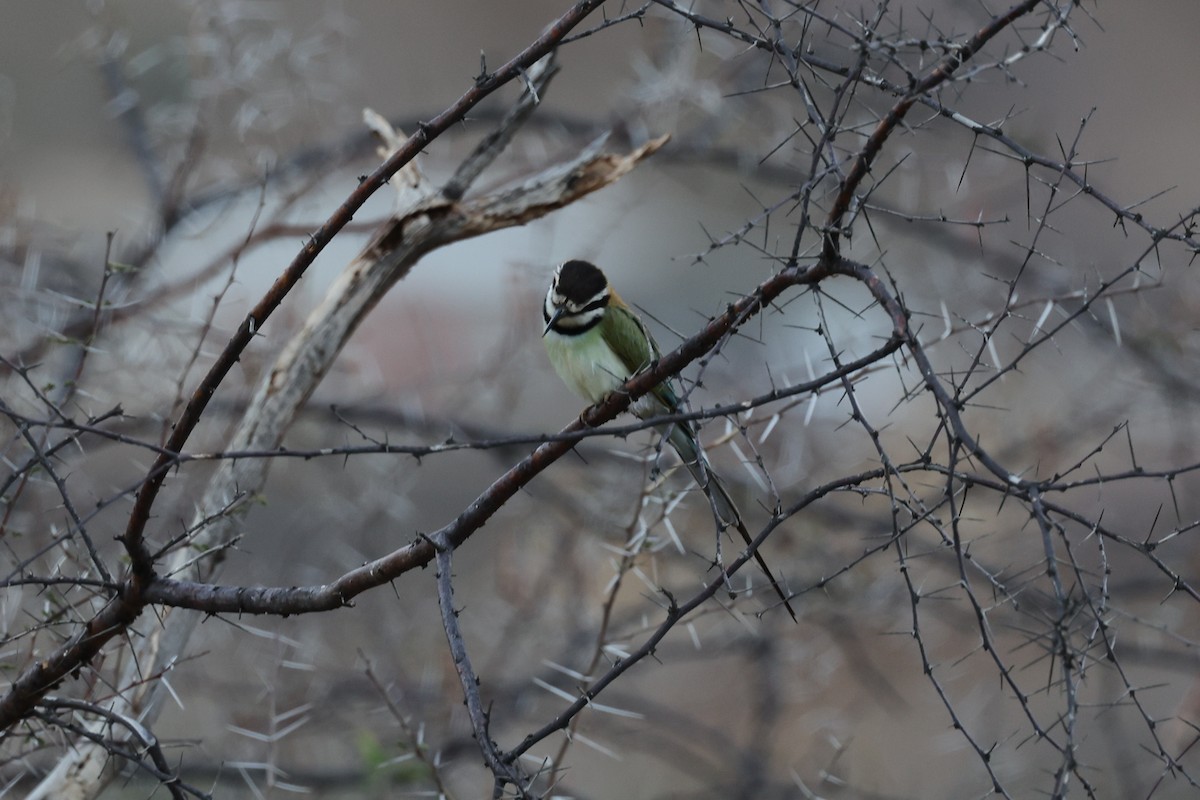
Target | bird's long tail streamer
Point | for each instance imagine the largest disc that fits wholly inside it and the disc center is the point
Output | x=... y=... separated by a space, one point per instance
x=694 y=459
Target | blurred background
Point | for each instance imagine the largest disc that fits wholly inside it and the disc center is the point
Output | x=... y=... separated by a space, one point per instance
x=207 y=138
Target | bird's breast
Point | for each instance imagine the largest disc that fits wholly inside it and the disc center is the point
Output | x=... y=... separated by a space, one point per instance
x=585 y=363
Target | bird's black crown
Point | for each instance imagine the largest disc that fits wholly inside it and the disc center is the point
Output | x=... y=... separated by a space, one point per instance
x=580 y=281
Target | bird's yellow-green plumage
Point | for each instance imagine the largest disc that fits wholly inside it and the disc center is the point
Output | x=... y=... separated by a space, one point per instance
x=596 y=343
x=599 y=360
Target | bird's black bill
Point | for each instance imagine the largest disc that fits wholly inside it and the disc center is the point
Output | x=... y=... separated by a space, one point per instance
x=558 y=312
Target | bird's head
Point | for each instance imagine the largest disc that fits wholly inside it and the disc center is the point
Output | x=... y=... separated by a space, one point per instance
x=578 y=296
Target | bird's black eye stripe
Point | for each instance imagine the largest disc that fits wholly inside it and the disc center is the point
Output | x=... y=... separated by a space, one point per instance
x=595 y=305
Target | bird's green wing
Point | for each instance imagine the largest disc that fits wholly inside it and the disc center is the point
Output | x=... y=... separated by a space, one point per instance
x=626 y=335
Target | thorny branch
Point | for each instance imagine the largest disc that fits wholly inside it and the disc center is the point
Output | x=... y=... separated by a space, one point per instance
x=930 y=495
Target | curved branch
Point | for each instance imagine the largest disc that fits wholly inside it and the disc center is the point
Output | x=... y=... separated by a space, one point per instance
x=937 y=76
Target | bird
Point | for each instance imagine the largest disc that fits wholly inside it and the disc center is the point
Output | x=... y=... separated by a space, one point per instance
x=596 y=342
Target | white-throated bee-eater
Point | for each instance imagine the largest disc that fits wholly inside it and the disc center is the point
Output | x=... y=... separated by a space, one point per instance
x=596 y=343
